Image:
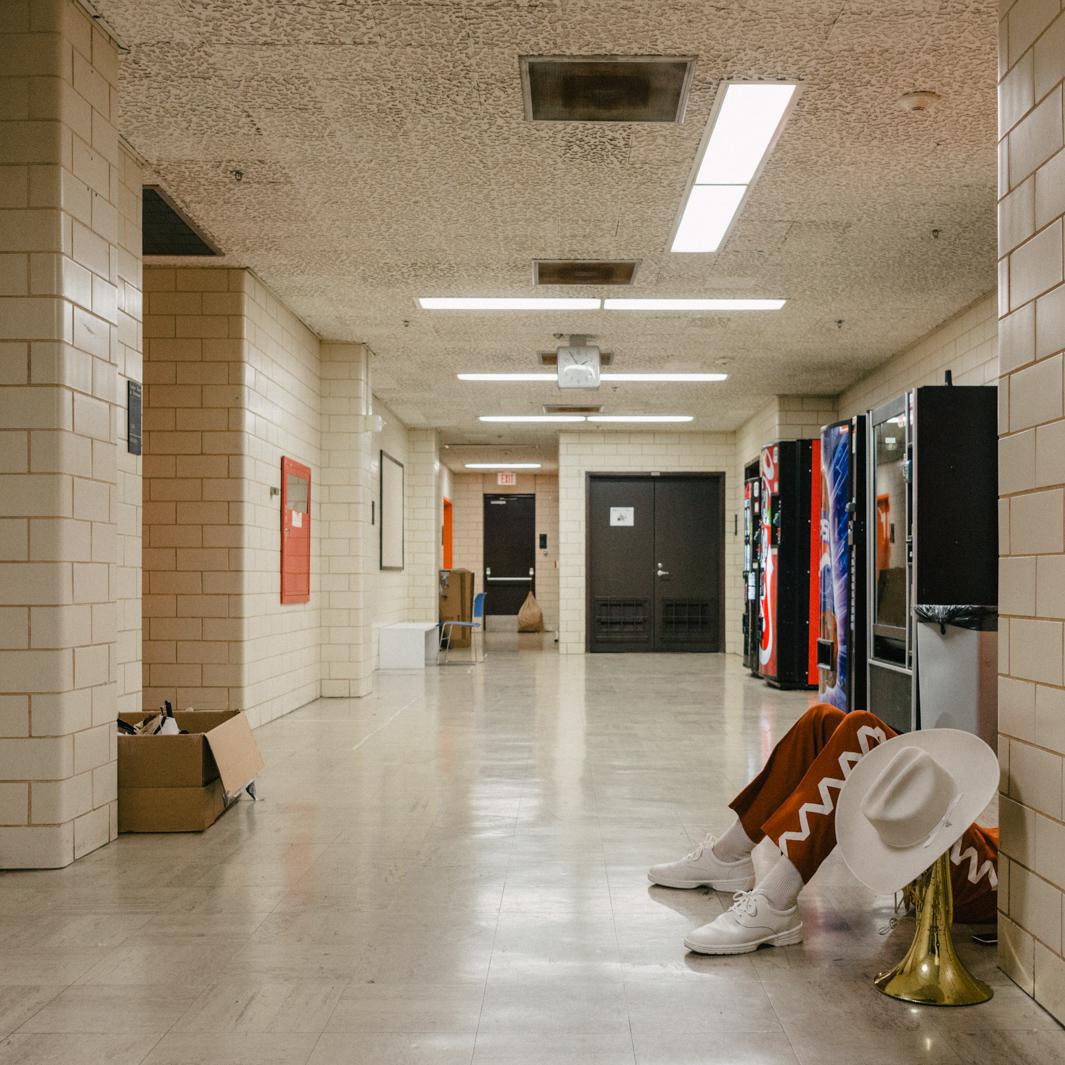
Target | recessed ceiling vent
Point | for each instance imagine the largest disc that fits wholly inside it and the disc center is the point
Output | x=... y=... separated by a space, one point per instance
x=584 y=271
x=167 y=230
x=550 y=358
x=637 y=88
x=569 y=408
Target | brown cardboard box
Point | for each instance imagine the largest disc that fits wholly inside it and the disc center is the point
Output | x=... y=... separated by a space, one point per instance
x=185 y=783
x=456 y=602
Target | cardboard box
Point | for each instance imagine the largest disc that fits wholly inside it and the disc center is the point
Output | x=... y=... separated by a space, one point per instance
x=185 y=783
x=456 y=602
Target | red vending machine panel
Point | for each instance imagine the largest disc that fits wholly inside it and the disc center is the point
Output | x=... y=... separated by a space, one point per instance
x=295 y=532
x=767 y=608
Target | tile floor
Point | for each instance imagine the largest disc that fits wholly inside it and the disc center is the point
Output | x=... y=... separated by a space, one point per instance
x=453 y=871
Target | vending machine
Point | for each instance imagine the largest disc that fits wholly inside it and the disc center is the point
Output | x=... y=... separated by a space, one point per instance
x=932 y=506
x=752 y=532
x=790 y=550
x=841 y=570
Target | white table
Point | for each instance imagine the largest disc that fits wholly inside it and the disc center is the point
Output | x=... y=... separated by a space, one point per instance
x=408 y=645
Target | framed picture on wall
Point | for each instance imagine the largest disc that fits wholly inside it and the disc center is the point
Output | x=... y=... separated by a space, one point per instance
x=391 y=509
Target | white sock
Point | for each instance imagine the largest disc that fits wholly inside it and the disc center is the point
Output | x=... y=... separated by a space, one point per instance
x=734 y=844
x=782 y=885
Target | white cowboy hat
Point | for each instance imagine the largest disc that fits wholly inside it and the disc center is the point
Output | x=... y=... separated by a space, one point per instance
x=910 y=799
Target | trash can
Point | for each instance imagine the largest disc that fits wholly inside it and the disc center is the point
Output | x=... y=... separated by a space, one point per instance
x=957 y=668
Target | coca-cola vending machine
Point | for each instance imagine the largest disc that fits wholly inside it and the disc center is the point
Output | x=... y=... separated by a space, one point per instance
x=790 y=551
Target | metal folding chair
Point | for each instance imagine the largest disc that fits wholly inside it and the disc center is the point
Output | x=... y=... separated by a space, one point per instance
x=475 y=626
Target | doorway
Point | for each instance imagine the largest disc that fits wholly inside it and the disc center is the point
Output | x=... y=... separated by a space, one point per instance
x=509 y=551
x=656 y=563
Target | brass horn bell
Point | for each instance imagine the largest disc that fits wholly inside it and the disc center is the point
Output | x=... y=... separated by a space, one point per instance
x=931 y=973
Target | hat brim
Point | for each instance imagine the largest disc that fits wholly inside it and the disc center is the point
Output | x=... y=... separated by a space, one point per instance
x=885 y=869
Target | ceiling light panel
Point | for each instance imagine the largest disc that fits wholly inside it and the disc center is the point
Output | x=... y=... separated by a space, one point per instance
x=641 y=418
x=694 y=304
x=507 y=303
x=744 y=126
x=502 y=466
x=626 y=377
x=531 y=418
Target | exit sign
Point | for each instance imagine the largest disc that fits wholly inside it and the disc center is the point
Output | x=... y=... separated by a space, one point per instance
x=507 y=478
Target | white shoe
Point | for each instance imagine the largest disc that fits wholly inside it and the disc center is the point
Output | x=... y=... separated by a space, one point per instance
x=748 y=923
x=703 y=868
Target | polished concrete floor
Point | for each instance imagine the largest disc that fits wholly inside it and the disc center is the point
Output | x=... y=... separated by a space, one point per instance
x=453 y=871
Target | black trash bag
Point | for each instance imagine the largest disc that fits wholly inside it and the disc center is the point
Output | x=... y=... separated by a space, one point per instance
x=961 y=616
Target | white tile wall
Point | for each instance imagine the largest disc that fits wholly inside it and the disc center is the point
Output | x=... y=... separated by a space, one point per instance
x=69 y=308
x=1032 y=484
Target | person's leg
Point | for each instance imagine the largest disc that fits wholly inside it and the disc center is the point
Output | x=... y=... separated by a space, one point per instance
x=804 y=824
x=785 y=768
x=804 y=827
x=974 y=875
x=725 y=864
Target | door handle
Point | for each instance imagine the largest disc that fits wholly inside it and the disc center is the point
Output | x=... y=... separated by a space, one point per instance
x=509 y=578
x=663 y=573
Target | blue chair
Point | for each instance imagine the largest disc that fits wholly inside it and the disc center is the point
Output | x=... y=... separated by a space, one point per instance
x=475 y=626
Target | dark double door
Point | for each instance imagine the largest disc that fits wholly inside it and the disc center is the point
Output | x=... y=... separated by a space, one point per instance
x=656 y=563
x=509 y=551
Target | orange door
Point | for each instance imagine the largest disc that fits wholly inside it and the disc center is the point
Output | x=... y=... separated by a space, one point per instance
x=448 y=534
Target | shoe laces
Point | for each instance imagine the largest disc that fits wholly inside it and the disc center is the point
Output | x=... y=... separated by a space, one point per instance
x=744 y=902
x=707 y=844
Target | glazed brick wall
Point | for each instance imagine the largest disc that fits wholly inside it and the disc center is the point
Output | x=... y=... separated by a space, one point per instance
x=69 y=306
x=1031 y=308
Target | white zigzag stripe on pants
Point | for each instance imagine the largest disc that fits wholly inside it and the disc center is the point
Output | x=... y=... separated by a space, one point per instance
x=974 y=875
x=868 y=738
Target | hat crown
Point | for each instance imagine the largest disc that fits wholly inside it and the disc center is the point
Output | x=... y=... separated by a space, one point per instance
x=909 y=798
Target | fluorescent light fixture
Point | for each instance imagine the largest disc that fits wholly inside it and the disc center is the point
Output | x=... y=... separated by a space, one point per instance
x=693 y=304
x=631 y=377
x=744 y=126
x=742 y=131
x=640 y=418
x=707 y=217
x=507 y=377
x=686 y=377
x=502 y=465
x=531 y=418
x=507 y=303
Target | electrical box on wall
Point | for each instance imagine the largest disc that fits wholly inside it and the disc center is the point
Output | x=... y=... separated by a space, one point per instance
x=295 y=532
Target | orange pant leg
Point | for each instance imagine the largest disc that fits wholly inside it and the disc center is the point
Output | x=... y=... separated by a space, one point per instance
x=974 y=875
x=785 y=768
x=804 y=822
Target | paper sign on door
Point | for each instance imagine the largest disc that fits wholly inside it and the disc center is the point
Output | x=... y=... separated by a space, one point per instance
x=622 y=515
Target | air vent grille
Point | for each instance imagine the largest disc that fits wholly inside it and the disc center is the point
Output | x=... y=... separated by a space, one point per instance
x=606 y=88
x=166 y=229
x=550 y=358
x=584 y=271
x=569 y=408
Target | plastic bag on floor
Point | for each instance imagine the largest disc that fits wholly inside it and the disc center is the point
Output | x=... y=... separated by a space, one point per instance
x=530 y=617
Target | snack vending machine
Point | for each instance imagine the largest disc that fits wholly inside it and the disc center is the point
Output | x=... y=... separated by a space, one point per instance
x=752 y=532
x=841 y=572
x=790 y=550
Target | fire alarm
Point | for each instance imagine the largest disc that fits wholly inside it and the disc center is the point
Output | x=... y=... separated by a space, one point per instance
x=921 y=100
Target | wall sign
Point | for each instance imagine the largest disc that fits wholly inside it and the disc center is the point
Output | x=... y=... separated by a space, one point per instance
x=134 y=406
x=622 y=515
x=507 y=478
x=295 y=532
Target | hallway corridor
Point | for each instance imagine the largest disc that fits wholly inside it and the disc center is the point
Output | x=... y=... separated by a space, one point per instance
x=453 y=870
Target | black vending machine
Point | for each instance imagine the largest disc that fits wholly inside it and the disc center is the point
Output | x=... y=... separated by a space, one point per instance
x=752 y=519
x=933 y=527
x=789 y=552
